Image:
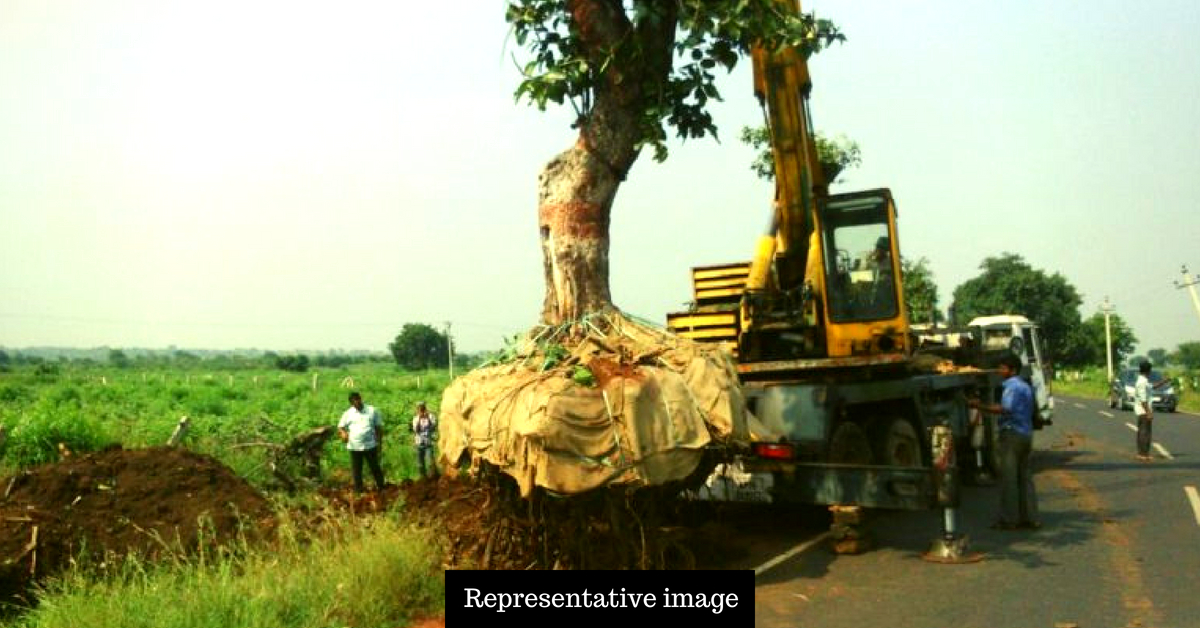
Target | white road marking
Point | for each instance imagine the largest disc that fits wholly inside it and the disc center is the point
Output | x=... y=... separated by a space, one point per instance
x=774 y=562
x=1080 y=405
x=1162 y=450
x=1107 y=414
x=1195 y=499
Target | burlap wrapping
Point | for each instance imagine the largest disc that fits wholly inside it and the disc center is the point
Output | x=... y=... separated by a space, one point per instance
x=656 y=402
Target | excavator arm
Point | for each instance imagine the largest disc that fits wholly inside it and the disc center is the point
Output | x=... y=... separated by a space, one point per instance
x=782 y=86
x=824 y=281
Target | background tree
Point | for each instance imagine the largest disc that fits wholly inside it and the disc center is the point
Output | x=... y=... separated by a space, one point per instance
x=920 y=291
x=631 y=70
x=834 y=155
x=1009 y=285
x=1157 y=356
x=1086 y=342
x=420 y=346
x=117 y=358
x=4 y=358
x=296 y=363
x=1188 y=354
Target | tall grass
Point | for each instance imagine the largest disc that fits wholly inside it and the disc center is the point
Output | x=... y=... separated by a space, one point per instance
x=380 y=571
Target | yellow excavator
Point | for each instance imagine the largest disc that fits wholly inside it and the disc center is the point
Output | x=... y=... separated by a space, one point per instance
x=824 y=281
x=817 y=325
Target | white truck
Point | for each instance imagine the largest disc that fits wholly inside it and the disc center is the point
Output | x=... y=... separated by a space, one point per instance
x=993 y=335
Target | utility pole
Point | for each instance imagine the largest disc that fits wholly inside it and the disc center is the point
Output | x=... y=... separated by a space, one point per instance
x=1107 y=309
x=450 y=350
x=1190 y=282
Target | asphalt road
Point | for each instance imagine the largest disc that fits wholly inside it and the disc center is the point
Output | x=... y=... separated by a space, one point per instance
x=1119 y=547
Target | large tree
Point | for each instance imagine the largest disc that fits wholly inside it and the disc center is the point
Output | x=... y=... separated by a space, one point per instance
x=1086 y=342
x=420 y=346
x=1009 y=285
x=632 y=70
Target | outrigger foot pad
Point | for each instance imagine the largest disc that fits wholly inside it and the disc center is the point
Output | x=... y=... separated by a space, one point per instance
x=951 y=550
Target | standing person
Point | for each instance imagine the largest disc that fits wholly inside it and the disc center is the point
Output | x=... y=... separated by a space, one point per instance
x=1143 y=407
x=362 y=430
x=1018 y=500
x=424 y=426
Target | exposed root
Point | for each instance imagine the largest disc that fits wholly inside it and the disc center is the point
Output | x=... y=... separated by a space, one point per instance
x=603 y=529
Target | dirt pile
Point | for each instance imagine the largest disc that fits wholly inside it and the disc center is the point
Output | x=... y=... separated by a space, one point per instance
x=146 y=501
x=488 y=525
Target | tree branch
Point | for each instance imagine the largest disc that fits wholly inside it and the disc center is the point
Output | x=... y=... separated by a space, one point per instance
x=602 y=25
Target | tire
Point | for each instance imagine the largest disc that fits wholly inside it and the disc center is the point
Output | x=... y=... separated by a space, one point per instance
x=849 y=445
x=897 y=444
x=1112 y=401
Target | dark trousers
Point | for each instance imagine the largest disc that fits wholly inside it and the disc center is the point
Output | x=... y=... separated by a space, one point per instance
x=1143 y=436
x=356 y=465
x=1018 y=500
x=422 y=452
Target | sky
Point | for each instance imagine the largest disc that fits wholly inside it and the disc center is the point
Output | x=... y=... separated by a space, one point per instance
x=301 y=175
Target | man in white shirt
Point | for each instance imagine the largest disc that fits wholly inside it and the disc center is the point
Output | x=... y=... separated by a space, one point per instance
x=362 y=430
x=1143 y=407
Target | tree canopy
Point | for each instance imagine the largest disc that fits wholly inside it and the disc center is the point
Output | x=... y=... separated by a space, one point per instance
x=920 y=291
x=297 y=363
x=658 y=55
x=1086 y=342
x=420 y=346
x=1188 y=354
x=835 y=155
x=1009 y=285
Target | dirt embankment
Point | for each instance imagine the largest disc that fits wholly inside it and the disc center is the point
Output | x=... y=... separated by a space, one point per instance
x=146 y=501
x=161 y=501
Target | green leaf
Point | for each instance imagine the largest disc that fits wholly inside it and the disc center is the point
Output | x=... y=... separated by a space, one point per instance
x=583 y=376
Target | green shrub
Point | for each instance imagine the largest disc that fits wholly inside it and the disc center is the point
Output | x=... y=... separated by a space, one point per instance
x=35 y=437
x=16 y=394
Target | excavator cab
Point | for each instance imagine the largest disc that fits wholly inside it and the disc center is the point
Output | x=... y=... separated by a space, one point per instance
x=859 y=269
x=863 y=291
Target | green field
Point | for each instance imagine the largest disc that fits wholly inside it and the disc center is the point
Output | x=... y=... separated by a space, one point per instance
x=384 y=570
x=231 y=407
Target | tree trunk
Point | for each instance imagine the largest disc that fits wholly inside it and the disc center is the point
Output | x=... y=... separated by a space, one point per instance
x=576 y=189
x=575 y=196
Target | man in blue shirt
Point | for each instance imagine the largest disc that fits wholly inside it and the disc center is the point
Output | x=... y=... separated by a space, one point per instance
x=1018 y=501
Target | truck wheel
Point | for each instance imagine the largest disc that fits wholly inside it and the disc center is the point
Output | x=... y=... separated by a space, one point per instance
x=849 y=445
x=899 y=445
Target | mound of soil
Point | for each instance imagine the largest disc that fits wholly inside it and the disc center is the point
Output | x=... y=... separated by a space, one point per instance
x=487 y=525
x=117 y=501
